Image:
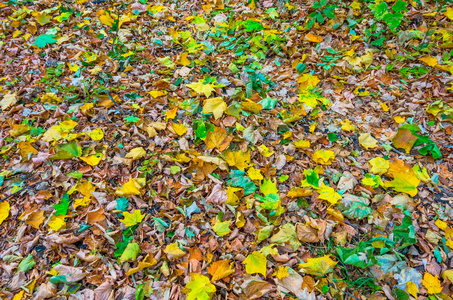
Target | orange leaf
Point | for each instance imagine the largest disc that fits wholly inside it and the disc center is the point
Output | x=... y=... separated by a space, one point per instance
x=218 y=139
x=404 y=139
x=220 y=269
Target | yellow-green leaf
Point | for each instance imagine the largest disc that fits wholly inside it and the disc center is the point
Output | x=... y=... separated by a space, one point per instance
x=318 y=266
x=216 y=106
x=255 y=263
x=4 y=211
x=132 y=219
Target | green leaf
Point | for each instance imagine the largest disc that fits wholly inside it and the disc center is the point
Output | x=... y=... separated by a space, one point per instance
x=26 y=264
x=399 y=6
x=76 y=175
x=405 y=232
x=131 y=119
x=45 y=39
x=130 y=253
x=361 y=256
x=122 y=204
x=358 y=209
x=62 y=207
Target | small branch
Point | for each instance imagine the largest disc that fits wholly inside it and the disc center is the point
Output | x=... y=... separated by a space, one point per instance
x=111 y=98
x=21 y=190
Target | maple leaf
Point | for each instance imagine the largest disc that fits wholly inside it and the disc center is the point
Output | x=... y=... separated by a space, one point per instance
x=319 y=266
x=379 y=165
x=45 y=39
x=255 y=263
x=199 y=288
x=323 y=157
x=216 y=106
x=238 y=159
x=132 y=187
x=132 y=219
x=404 y=139
x=268 y=187
x=328 y=193
x=96 y=134
x=218 y=138
x=286 y=234
x=431 y=283
x=220 y=269
x=202 y=88
x=222 y=228
x=404 y=178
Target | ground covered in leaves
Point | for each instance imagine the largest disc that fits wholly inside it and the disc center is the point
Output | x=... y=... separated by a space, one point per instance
x=226 y=150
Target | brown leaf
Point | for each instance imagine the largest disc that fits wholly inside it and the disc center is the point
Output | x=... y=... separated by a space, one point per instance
x=218 y=139
x=306 y=234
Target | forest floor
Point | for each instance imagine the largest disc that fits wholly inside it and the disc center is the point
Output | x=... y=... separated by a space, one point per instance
x=226 y=150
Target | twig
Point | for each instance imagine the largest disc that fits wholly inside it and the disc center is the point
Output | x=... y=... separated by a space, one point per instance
x=27 y=187
x=111 y=98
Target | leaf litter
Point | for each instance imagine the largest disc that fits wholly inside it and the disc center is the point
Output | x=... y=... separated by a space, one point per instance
x=226 y=150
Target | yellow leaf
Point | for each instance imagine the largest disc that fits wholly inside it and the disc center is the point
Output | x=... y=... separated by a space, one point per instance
x=442 y=225
x=73 y=67
x=255 y=174
x=355 y=5
x=281 y=272
x=429 y=60
x=132 y=187
x=367 y=141
x=199 y=288
x=379 y=165
x=221 y=228
x=302 y=144
x=297 y=192
x=136 y=153
x=255 y=263
x=202 y=88
x=404 y=179
x=19 y=295
x=220 y=269
x=449 y=13
x=431 y=283
x=384 y=106
x=180 y=129
x=318 y=266
x=156 y=94
x=323 y=157
x=447 y=274
x=308 y=81
x=35 y=219
x=171 y=114
x=26 y=149
x=328 y=193
x=132 y=219
x=183 y=60
x=57 y=223
x=43 y=19
x=265 y=151
x=147 y=262
x=412 y=289
x=238 y=159
x=216 y=106
x=96 y=134
x=313 y=38
x=8 y=100
x=93 y=160
x=106 y=19
x=4 y=211
x=173 y=251
x=84 y=202
x=347 y=126
x=218 y=139
x=399 y=119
